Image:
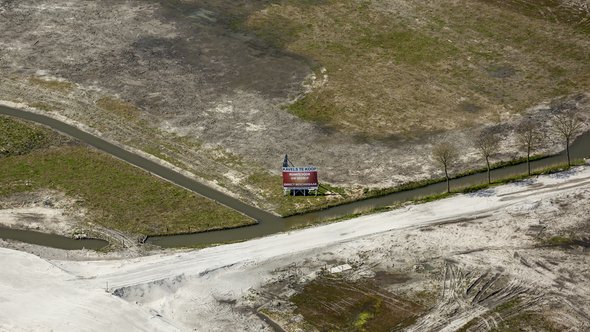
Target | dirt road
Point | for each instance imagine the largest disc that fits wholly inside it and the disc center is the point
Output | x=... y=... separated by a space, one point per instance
x=458 y=208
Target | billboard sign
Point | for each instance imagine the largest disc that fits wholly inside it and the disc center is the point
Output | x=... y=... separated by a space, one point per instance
x=300 y=178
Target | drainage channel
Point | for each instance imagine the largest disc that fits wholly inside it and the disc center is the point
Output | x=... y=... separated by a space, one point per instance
x=267 y=223
x=579 y=149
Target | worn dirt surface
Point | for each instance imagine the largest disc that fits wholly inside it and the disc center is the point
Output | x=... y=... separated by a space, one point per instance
x=176 y=80
x=53 y=212
x=497 y=272
x=47 y=211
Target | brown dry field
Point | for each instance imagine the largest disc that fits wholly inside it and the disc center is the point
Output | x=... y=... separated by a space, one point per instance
x=223 y=89
x=409 y=68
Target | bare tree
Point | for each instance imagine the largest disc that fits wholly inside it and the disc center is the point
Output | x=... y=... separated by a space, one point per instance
x=529 y=138
x=487 y=142
x=568 y=124
x=445 y=154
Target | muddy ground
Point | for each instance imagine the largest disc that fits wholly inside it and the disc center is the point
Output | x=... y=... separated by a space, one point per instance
x=209 y=98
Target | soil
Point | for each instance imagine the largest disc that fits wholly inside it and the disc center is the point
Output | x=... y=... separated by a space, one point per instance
x=210 y=98
x=46 y=211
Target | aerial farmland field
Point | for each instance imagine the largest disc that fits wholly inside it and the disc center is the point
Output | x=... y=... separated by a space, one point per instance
x=158 y=128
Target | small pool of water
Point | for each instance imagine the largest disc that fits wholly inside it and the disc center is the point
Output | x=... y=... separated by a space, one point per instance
x=51 y=240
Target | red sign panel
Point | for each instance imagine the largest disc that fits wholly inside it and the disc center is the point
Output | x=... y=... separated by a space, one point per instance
x=300 y=177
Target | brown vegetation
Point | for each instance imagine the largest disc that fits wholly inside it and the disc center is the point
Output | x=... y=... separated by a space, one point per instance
x=487 y=143
x=335 y=304
x=445 y=154
x=568 y=124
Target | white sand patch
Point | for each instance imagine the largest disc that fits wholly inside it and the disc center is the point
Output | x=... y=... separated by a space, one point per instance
x=254 y=127
x=47 y=211
x=234 y=176
x=37 y=296
x=222 y=109
x=48 y=219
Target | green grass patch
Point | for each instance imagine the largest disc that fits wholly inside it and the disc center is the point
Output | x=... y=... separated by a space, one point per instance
x=277 y=30
x=528 y=321
x=508 y=305
x=407 y=46
x=558 y=240
x=308 y=108
x=17 y=138
x=60 y=86
x=117 y=195
x=119 y=107
x=364 y=317
x=401 y=70
x=550 y=11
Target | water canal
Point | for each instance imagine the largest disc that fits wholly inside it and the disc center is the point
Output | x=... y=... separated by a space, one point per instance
x=267 y=223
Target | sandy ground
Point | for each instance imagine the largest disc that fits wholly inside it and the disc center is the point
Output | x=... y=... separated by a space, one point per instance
x=55 y=304
x=46 y=211
x=445 y=244
x=50 y=211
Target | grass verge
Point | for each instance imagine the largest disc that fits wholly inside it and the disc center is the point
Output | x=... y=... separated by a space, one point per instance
x=117 y=195
x=369 y=193
x=119 y=107
x=61 y=86
x=17 y=138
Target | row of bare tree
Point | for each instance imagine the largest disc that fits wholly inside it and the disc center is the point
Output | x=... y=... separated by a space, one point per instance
x=566 y=124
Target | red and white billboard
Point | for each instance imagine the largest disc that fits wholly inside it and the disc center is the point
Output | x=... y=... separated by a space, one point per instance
x=300 y=177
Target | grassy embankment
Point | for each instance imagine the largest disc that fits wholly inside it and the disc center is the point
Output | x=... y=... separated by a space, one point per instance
x=117 y=195
x=330 y=196
x=270 y=184
x=409 y=68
